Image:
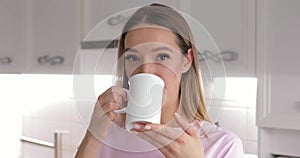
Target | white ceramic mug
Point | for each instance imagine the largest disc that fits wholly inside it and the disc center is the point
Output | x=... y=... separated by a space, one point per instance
x=145 y=97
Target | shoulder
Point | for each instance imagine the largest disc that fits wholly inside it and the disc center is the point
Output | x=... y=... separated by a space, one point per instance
x=218 y=142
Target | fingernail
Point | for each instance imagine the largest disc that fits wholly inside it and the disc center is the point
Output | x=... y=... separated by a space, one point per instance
x=147 y=127
x=177 y=115
x=136 y=126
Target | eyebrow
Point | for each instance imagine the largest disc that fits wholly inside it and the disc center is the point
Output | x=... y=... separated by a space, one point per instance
x=162 y=48
x=153 y=50
x=130 y=50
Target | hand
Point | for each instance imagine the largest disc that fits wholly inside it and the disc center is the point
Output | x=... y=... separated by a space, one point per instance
x=103 y=114
x=173 y=143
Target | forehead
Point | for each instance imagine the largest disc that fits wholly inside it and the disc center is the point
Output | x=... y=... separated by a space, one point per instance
x=143 y=35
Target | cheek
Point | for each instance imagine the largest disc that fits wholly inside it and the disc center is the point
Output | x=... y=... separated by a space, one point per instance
x=176 y=66
x=129 y=70
x=171 y=78
x=174 y=74
x=172 y=85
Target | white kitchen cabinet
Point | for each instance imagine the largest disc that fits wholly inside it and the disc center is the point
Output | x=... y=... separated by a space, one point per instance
x=51 y=31
x=278 y=65
x=231 y=24
x=39 y=36
x=10 y=52
x=52 y=35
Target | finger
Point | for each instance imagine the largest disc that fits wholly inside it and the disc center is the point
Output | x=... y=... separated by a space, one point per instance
x=185 y=125
x=163 y=134
x=107 y=112
x=112 y=97
x=116 y=92
x=109 y=99
x=169 y=132
x=98 y=109
x=112 y=116
x=110 y=106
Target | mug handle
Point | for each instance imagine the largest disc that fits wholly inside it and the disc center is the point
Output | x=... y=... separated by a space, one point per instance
x=123 y=110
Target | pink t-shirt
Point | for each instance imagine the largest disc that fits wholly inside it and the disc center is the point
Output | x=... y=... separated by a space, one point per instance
x=217 y=143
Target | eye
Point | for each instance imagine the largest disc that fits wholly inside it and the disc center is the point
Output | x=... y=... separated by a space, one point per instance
x=131 y=58
x=163 y=56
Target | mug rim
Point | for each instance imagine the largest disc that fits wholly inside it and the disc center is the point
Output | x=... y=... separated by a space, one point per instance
x=161 y=81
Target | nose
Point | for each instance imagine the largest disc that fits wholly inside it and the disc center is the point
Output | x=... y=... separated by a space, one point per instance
x=145 y=68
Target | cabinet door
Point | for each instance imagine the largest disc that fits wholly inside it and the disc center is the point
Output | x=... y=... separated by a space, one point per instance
x=278 y=106
x=52 y=35
x=107 y=18
x=10 y=36
x=231 y=24
x=278 y=63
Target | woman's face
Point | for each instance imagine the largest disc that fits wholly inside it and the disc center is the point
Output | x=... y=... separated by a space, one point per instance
x=155 y=50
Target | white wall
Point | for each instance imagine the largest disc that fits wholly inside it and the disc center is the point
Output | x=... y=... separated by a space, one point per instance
x=234 y=107
x=37 y=105
x=10 y=116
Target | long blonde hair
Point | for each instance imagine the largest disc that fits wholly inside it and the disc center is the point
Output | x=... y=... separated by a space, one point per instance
x=192 y=103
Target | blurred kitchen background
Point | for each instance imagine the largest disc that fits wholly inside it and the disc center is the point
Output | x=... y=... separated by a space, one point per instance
x=52 y=70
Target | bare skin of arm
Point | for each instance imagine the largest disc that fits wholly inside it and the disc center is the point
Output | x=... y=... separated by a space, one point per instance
x=89 y=147
x=102 y=118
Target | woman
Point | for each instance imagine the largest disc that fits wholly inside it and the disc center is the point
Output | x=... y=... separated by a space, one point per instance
x=157 y=40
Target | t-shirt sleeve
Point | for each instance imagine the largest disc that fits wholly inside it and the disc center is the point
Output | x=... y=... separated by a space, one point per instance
x=234 y=148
